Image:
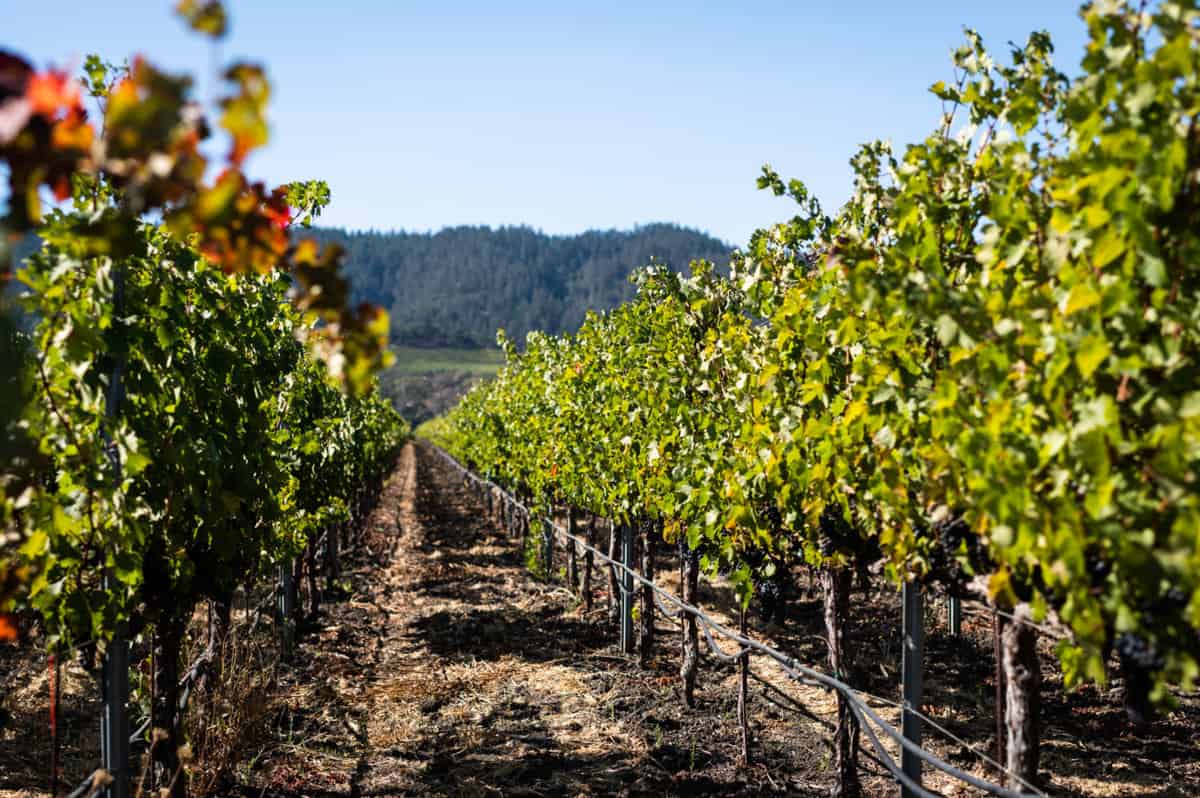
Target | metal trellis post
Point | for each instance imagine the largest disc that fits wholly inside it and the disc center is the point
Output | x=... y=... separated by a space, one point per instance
x=954 y=615
x=911 y=666
x=627 y=643
x=287 y=608
x=114 y=719
x=548 y=548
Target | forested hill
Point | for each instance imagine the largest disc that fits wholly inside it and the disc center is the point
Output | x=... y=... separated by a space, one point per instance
x=455 y=287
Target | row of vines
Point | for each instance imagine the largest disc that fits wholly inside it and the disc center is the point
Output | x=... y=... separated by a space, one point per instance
x=981 y=372
x=190 y=404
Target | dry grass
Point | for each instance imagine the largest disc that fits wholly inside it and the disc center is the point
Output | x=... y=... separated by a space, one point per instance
x=228 y=717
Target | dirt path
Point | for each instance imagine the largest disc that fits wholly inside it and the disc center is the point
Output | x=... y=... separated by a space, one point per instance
x=451 y=671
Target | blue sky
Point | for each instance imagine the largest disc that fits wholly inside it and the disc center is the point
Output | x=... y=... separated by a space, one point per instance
x=564 y=116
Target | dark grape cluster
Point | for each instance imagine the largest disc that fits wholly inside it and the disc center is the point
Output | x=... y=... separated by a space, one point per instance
x=647 y=526
x=1136 y=652
x=771 y=576
x=836 y=532
x=1026 y=582
x=951 y=537
x=771 y=600
x=1170 y=603
x=1098 y=567
x=951 y=531
x=1140 y=662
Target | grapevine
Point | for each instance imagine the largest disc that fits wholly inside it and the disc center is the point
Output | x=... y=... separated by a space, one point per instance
x=195 y=403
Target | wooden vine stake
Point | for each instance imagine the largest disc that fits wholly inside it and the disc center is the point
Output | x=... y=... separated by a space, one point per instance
x=333 y=570
x=114 y=722
x=954 y=615
x=524 y=530
x=614 y=590
x=548 y=548
x=287 y=609
x=998 y=656
x=166 y=710
x=54 y=673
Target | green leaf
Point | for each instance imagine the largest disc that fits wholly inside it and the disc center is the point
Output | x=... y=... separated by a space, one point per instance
x=1082 y=297
x=1110 y=247
x=208 y=17
x=1093 y=350
x=947 y=329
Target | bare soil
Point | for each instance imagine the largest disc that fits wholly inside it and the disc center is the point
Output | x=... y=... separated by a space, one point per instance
x=446 y=668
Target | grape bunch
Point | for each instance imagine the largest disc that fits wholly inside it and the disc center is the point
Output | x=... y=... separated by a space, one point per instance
x=1136 y=652
x=836 y=532
x=773 y=584
x=1098 y=567
x=1140 y=663
x=951 y=537
x=951 y=531
x=1171 y=603
x=773 y=516
x=770 y=594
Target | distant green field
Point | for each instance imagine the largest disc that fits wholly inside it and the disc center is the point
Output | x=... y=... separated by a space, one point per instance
x=418 y=360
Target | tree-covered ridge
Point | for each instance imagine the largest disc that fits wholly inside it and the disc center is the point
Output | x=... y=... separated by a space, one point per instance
x=457 y=286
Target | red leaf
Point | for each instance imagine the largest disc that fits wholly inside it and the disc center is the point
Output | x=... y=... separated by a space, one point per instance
x=50 y=93
x=8 y=627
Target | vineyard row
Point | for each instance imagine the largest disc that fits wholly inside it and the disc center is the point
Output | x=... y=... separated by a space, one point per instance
x=520 y=520
x=980 y=374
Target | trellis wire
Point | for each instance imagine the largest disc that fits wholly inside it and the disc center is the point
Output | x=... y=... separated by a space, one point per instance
x=801 y=673
x=89 y=786
x=986 y=609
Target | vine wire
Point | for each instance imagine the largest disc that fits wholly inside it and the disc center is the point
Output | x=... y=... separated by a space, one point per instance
x=861 y=710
